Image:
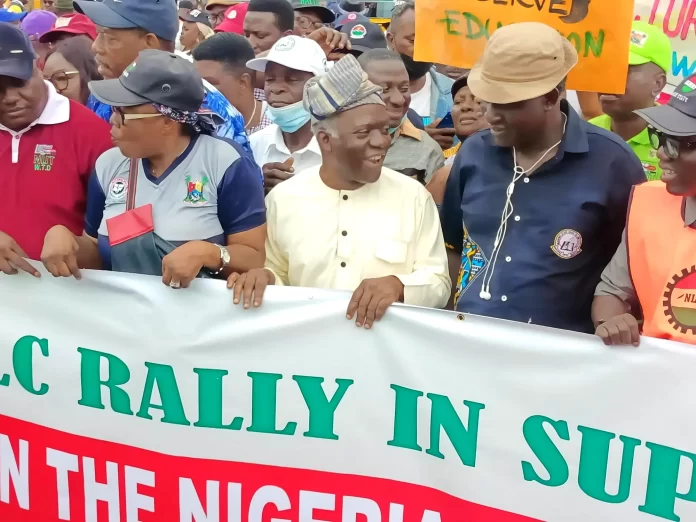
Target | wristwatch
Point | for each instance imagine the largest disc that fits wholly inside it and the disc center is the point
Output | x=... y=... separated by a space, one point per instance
x=224 y=259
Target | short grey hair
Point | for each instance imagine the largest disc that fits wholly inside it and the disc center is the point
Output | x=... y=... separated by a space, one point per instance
x=399 y=10
x=327 y=125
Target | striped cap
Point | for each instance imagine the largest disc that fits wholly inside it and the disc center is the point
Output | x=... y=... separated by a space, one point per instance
x=345 y=86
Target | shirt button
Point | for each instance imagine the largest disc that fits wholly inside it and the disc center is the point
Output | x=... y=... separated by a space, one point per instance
x=517 y=218
x=344 y=233
x=526 y=180
x=504 y=298
x=343 y=264
x=17 y=137
x=345 y=198
x=508 y=259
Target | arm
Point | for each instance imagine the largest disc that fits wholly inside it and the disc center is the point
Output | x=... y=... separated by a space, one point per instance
x=452 y=223
x=437 y=184
x=429 y=283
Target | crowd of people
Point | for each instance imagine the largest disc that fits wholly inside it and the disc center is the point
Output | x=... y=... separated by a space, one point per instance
x=296 y=143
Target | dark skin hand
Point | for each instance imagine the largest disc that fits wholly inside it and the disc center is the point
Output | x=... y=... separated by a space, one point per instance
x=620 y=330
x=330 y=39
x=372 y=298
x=251 y=285
x=12 y=257
x=275 y=173
x=443 y=137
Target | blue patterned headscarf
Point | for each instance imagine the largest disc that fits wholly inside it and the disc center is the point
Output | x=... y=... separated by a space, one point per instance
x=198 y=121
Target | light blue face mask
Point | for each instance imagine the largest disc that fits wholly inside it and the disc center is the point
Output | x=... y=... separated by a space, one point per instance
x=392 y=130
x=289 y=118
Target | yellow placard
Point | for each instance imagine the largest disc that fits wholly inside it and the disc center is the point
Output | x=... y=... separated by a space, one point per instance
x=454 y=32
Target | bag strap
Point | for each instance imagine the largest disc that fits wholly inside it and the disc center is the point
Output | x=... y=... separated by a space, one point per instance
x=132 y=184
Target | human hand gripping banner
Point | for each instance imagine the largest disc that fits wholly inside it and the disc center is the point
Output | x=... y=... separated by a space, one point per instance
x=455 y=32
x=124 y=400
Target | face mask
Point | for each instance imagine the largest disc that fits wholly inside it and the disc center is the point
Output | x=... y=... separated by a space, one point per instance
x=289 y=118
x=392 y=130
x=416 y=70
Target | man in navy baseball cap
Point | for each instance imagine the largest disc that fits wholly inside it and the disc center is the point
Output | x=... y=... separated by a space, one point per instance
x=127 y=27
x=16 y=54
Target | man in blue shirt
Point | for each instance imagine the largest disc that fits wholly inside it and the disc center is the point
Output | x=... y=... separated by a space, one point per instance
x=535 y=206
x=126 y=27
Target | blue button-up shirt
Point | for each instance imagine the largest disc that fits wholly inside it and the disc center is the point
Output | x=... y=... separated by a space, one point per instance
x=232 y=128
x=566 y=224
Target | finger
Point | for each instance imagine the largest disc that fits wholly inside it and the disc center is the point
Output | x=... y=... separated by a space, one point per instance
x=19 y=262
x=625 y=332
x=603 y=334
x=354 y=301
x=232 y=280
x=63 y=270
x=248 y=290
x=361 y=312
x=53 y=269
x=635 y=330
x=434 y=124
x=238 y=287
x=614 y=333
x=166 y=274
x=6 y=268
x=382 y=307
x=371 y=311
x=74 y=269
x=281 y=174
x=288 y=162
x=259 y=290
x=185 y=282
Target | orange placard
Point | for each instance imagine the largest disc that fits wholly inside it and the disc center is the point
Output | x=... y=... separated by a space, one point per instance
x=454 y=32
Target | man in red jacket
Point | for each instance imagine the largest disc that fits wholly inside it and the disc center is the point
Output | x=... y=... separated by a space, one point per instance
x=48 y=148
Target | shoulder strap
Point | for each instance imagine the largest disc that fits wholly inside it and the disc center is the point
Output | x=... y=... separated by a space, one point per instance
x=132 y=184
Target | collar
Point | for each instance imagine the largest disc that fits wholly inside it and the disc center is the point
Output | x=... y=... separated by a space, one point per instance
x=575 y=139
x=57 y=110
x=689 y=211
x=278 y=142
x=407 y=129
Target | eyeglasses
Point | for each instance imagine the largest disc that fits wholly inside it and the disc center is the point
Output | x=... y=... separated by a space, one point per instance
x=61 y=79
x=216 y=19
x=670 y=145
x=306 y=22
x=121 y=118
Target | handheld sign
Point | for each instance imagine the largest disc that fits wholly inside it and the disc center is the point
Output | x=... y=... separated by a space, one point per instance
x=457 y=32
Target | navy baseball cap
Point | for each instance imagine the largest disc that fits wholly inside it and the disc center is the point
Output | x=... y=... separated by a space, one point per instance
x=154 y=77
x=364 y=36
x=350 y=18
x=678 y=116
x=159 y=17
x=16 y=53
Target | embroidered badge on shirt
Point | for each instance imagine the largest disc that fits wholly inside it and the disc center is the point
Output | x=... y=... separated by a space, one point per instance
x=680 y=301
x=567 y=244
x=118 y=189
x=473 y=262
x=194 y=194
x=43 y=157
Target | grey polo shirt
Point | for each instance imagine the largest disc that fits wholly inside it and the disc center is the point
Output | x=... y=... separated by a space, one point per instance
x=414 y=149
x=616 y=278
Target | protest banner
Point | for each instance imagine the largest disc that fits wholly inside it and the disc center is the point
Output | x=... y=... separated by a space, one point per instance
x=455 y=32
x=124 y=400
x=677 y=18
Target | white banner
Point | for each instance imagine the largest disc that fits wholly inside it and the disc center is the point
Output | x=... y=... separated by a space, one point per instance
x=124 y=400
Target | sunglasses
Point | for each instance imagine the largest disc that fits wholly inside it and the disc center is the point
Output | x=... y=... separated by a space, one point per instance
x=61 y=79
x=671 y=145
x=121 y=118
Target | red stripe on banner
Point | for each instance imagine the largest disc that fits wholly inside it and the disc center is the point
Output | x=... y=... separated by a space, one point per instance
x=243 y=492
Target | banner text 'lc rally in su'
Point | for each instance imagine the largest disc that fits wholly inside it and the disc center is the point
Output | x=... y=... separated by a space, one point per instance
x=123 y=400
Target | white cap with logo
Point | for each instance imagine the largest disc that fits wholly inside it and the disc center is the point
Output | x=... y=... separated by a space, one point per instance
x=293 y=52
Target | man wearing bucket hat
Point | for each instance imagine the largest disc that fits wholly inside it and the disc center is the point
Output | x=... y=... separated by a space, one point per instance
x=130 y=26
x=197 y=198
x=649 y=61
x=652 y=275
x=351 y=223
x=534 y=207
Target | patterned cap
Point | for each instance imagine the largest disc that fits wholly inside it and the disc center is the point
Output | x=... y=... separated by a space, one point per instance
x=344 y=87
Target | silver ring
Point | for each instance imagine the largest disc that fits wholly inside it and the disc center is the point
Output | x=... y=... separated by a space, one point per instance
x=175 y=284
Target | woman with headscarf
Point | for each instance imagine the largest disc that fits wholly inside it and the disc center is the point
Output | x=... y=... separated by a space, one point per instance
x=196 y=28
x=70 y=66
x=169 y=200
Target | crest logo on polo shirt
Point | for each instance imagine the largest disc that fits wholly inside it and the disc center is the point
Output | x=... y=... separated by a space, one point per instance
x=118 y=188
x=43 y=157
x=473 y=263
x=194 y=190
x=567 y=244
x=680 y=301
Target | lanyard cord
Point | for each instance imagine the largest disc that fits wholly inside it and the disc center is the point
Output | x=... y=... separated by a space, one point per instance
x=507 y=212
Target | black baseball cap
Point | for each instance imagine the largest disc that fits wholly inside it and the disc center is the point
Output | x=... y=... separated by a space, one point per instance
x=16 y=53
x=154 y=77
x=348 y=18
x=678 y=116
x=159 y=17
x=196 y=16
x=364 y=36
x=460 y=82
x=320 y=6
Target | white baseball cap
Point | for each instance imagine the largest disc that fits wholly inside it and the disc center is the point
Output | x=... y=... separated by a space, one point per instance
x=293 y=52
